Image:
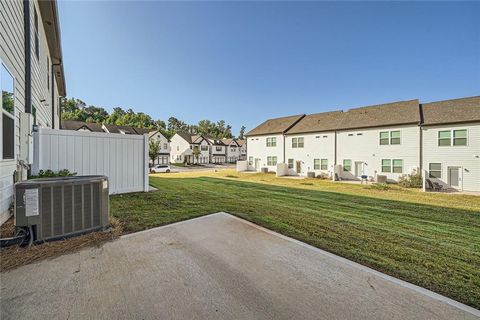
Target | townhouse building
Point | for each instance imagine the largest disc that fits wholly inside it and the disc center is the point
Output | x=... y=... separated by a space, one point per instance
x=266 y=142
x=232 y=150
x=163 y=156
x=218 y=150
x=451 y=143
x=32 y=82
x=440 y=139
x=182 y=147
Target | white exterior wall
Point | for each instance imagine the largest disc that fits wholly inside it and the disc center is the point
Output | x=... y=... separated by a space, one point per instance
x=316 y=146
x=366 y=148
x=257 y=148
x=12 y=56
x=122 y=158
x=164 y=144
x=233 y=152
x=467 y=157
x=179 y=148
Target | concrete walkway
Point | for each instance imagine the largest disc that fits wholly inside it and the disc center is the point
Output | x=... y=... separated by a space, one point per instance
x=214 y=267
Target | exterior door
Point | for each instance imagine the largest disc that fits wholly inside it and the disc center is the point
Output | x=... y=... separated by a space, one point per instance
x=257 y=164
x=454 y=177
x=298 y=167
x=358 y=168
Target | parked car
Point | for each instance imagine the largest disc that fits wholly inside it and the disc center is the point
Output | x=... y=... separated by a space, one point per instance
x=160 y=168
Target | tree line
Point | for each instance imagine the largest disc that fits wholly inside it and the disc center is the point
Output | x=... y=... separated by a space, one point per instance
x=76 y=109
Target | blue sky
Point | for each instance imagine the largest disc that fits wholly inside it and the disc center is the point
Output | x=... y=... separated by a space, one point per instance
x=246 y=62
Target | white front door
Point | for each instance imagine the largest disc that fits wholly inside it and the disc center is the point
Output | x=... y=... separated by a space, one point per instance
x=358 y=168
x=455 y=177
x=257 y=164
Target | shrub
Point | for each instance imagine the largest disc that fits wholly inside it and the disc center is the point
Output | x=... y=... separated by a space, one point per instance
x=413 y=180
x=50 y=174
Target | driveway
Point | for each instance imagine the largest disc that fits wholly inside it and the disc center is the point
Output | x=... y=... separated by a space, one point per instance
x=213 y=267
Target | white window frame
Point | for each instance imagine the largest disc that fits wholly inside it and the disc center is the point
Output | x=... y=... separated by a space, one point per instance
x=389 y=137
x=203 y=147
x=272 y=161
x=452 y=137
x=429 y=170
x=271 y=142
x=8 y=114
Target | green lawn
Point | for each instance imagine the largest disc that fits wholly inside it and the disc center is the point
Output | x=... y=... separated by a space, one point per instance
x=427 y=239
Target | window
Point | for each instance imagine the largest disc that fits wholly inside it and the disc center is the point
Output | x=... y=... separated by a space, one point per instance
x=250 y=161
x=394 y=137
x=271 y=161
x=397 y=166
x=37 y=44
x=290 y=163
x=460 y=137
x=218 y=148
x=445 y=138
x=316 y=164
x=165 y=146
x=386 y=165
x=389 y=137
x=204 y=148
x=7 y=113
x=347 y=165
x=271 y=142
x=324 y=165
x=384 y=136
x=297 y=142
x=435 y=170
x=178 y=148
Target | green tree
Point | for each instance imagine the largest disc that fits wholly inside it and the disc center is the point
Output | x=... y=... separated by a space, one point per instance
x=7 y=101
x=153 y=150
x=196 y=152
x=242 y=133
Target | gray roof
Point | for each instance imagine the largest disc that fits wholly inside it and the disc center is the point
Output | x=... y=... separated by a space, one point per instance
x=192 y=138
x=325 y=121
x=113 y=128
x=388 y=114
x=452 y=111
x=77 y=125
x=277 y=125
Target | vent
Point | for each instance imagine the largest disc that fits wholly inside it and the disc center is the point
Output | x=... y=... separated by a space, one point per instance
x=66 y=206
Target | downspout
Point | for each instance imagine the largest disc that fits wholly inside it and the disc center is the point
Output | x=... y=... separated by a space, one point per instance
x=421 y=136
x=53 y=97
x=335 y=149
x=28 y=56
x=284 y=152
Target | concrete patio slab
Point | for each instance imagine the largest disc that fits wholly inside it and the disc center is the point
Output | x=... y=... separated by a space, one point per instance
x=213 y=267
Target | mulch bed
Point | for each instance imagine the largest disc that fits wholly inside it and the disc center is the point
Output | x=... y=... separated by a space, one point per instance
x=15 y=256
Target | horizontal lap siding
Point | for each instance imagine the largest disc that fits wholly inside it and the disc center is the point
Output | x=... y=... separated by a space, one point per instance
x=467 y=157
x=366 y=148
x=257 y=148
x=120 y=157
x=13 y=56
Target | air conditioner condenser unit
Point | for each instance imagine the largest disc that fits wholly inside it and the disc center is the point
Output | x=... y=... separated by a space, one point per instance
x=60 y=207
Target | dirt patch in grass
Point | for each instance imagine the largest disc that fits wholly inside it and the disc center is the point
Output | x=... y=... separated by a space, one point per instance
x=231 y=176
x=16 y=256
x=7 y=229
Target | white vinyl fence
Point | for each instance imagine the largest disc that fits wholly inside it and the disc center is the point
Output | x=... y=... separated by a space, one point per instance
x=123 y=158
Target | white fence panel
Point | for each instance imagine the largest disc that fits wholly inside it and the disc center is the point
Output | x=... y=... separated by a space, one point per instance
x=123 y=158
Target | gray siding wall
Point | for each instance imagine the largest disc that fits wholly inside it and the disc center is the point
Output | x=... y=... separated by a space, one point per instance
x=12 y=55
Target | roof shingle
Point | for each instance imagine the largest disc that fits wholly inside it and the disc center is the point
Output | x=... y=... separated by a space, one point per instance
x=452 y=111
x=277 y=125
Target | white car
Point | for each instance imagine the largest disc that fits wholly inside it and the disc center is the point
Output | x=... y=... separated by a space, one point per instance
x=160 y=168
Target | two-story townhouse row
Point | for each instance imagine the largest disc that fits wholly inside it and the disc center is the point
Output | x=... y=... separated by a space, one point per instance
x=218 y=150
x=379 y=140
x=164 y=147
x=266 y=142
x=451 y=143
x=242 y=143
x=310 y=144
x=189 y=148
x=232 y=150
x=81 y=126
x=390 y=139
x=31 y=81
